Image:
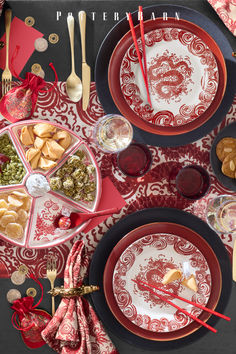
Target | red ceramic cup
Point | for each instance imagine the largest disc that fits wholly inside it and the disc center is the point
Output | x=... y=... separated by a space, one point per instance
x=135 y=161
x=192 y=182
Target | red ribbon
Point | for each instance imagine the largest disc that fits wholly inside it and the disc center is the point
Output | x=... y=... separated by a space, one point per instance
x=25 y=305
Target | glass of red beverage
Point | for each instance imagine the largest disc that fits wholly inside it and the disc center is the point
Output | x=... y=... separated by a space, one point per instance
x=135 y=160
x=192 y=182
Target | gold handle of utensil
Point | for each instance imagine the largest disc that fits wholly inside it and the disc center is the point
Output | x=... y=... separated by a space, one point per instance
x=8 y=15
x=234 y=262
x=82 y=24
x=53 y=305
x=71 y=26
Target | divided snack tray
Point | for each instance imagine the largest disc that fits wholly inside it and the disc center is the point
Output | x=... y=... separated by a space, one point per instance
x=40 y=228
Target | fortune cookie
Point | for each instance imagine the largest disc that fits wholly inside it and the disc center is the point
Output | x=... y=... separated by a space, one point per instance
x=46 y=164
x=44 y=130
x=171 y=275
x=31 y=153
x=39 y=142
x=27 y=135
x=63 y=138
x=35 y=160
x=55 y=151
x=190 y=283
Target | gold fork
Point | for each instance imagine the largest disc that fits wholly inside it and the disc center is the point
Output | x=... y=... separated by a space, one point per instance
x=6 y=75
x=51 y=275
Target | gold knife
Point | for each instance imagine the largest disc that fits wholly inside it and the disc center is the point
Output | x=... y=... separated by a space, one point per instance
x=234 y=262
x=86 y=71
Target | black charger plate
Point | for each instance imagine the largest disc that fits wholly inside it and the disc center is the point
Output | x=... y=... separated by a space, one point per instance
x=119 y=230
x=228 y=131
x=122 y=27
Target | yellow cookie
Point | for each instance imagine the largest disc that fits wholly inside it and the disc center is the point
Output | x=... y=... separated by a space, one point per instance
x=26 y=204
x=22 y=216
x=6 y=219
x=14 y=201
x=14 y=230
x=13 y=213
x=224 y=147
x=2 y=211
x=3 y=204
x=228 y=167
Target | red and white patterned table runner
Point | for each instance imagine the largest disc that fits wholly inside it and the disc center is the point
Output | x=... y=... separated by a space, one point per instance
x=152 y=190
x=226 y=10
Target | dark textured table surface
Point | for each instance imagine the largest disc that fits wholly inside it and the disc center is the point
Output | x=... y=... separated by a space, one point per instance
x=45 y=13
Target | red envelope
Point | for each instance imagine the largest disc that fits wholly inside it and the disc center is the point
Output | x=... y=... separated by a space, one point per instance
x=110 y=198
x=21 y=47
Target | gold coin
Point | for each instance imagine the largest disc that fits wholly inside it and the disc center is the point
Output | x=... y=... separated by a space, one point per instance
x=36 y=68
x=31 y=292
x=17 y=278
x=23 y=269
x=53 y=38
x=29 y=21
x=12 y=295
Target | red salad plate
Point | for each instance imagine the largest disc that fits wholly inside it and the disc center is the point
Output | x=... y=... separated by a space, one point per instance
x=186 y=73
x=147 y=253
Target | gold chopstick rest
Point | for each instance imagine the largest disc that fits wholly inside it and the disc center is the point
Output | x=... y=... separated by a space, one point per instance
x=72 y=292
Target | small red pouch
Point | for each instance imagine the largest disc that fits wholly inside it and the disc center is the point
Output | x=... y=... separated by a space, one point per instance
x=31 y=321
x=19 y=103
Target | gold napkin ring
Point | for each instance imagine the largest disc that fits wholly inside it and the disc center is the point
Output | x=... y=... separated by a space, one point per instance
x=72 y=292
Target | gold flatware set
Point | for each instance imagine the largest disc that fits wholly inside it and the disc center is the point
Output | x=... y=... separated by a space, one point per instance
x=74 y=88
x=6 y=75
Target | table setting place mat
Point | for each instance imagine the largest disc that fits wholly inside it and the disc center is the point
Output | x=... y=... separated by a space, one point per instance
x=154 y=227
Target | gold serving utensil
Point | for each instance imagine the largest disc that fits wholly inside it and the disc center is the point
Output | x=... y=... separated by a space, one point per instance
x=86 y=71
x=6 y=75
x=73 y=82
x=51 y=275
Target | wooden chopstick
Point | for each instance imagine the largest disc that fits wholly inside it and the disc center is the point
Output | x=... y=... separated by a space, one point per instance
x=139 y=56
x=177 y=307
x=185 y=300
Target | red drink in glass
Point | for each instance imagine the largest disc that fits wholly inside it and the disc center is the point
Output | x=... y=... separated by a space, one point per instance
x=135 y=161
x=192 y=182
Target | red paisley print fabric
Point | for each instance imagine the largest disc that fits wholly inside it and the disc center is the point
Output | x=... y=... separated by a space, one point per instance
x=226 y=10
x=75 y=328
x=155 y=189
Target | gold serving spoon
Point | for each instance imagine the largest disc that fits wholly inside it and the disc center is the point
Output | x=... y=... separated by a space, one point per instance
x=73 y=82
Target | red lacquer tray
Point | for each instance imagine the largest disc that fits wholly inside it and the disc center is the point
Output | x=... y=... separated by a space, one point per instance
x=41 y=230
x=122 y=261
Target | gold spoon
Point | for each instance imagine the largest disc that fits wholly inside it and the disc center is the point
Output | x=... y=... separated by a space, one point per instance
x=73 y=82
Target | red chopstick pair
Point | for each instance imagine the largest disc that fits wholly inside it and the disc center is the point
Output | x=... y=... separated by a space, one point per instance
x=149 y=286
x=143 y=67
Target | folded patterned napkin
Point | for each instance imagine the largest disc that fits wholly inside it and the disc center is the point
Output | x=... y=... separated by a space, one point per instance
x=226 y=10
x=75 y=328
